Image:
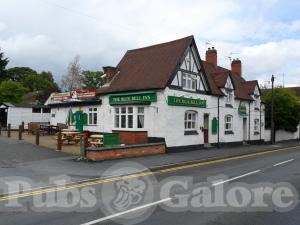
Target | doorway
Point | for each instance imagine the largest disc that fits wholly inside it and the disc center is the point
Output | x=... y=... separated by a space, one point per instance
x=3 y=116
x=206 y=128
x=244 y=129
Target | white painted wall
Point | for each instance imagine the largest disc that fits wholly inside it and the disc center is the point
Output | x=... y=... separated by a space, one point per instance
x=282 y=135
x=162 y=120
x=17 y=115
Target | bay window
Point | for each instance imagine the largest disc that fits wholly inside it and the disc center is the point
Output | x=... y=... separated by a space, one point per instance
x=125 y=117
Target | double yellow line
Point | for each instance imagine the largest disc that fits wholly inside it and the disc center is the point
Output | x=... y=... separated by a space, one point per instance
x=141 y=174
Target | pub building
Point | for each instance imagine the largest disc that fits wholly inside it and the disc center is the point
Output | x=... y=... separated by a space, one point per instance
x=167 y=93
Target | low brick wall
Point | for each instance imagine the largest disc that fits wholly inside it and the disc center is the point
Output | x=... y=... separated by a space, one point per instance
x=128 y=151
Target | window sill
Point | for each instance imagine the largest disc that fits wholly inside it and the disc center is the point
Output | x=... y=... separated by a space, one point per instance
x=191 y=132
x=129 y=129
x=228 y=105
x=229 y=132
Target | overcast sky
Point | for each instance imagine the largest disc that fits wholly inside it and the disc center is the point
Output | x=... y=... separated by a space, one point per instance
x=47 y=34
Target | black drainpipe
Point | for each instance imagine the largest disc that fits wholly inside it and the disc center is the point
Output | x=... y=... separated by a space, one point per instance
x=218 y=121
x=249 y=123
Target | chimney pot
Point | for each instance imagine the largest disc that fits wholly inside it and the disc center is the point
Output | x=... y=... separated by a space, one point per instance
x=236 y=66
x=212 y=56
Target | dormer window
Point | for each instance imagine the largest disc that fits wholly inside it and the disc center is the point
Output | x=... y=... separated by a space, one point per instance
x=189 y=82
x=229 y=97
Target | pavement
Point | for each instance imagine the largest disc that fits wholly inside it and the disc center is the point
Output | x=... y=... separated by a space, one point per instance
x=257 y=170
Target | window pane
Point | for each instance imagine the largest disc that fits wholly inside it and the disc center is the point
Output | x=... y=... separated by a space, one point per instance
x=90 y=118
x=130 y=121
x=140 y=121
x=140 y=110
x=123 y=121
x=130 y=110
x=117 y=121
x=95 y=118
x=117 y=111
x=123 y=110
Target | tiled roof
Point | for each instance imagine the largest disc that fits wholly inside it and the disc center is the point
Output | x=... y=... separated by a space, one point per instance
x=152 y=68
x=148 y=68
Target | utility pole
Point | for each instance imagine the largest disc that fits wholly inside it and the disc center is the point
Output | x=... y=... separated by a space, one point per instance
x=272 y=113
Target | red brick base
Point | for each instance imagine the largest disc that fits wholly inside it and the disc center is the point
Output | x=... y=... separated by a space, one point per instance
x=117 y=153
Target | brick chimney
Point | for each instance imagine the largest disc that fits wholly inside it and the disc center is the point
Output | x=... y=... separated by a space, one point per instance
x=236 y=67
x=212 y=56
x=110 y=72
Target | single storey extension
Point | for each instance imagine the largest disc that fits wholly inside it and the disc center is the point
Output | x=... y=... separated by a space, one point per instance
x=16 y=114
x=166 y=92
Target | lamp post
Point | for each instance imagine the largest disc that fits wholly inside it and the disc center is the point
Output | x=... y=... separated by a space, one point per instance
x=272 y=113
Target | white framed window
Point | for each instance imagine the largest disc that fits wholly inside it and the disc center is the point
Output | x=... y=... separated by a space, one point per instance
x=190 y=120
x=256 y=125
x=256 y=102
x=93 y=116
x=126 y=116
x=228 y=123
x=229 y=97
x=189 y=82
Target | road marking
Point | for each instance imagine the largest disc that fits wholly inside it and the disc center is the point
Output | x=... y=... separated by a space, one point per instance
x=235 y=178
x=284 y=162
x=142 y=174
x=127 y=211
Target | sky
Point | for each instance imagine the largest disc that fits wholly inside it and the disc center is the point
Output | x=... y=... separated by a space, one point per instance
x=47 y=34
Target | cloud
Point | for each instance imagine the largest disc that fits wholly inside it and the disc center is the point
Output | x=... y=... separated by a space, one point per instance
x=47 y=34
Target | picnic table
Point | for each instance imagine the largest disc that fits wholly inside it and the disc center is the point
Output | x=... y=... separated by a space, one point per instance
x=70 y=136
x=49 y=129
x=97 y=140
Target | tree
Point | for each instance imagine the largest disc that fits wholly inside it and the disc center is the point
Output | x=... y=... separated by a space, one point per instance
x=91 y=79
x=11 y=91
x=20 y=73
x=72 y=79
x=286 y=109
x=3 y=64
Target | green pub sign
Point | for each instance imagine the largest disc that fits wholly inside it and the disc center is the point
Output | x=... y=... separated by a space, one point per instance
x=188 y=102
x=242 y=109
x=129 y=98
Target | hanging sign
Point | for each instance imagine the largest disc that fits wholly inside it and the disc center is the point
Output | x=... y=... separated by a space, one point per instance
x=189 y=102
x=242 y=109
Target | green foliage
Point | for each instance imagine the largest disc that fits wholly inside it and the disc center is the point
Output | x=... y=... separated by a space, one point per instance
x=19 y=73
x=3 y=64
x=92 y=79
x=286 y=109
x=12 y=91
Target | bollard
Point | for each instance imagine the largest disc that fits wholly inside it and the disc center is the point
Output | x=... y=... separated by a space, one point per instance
x=37 y=136
x=20 y=132
x=86 y=144
x=8 y=130
x=23 y=126
x=59 y=142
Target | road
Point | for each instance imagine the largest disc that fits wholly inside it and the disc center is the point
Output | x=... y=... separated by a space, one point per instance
x=254 y=171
